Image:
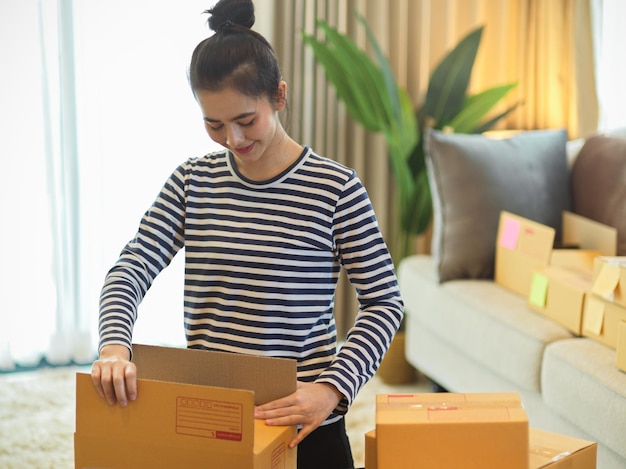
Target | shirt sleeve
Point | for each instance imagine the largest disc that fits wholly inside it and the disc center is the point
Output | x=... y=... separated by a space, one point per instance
x=159 y=237
x=369 y=267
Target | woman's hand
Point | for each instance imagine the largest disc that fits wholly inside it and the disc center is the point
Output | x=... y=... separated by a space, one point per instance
x=114 y=375
x=308 y=406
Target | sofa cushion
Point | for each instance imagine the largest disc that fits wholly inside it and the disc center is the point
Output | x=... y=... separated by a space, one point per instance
x=473 y=178
x=580 y=381
x=599 y=184
x=487 y=323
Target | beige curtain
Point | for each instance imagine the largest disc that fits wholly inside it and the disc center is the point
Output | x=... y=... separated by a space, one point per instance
x=543 y=45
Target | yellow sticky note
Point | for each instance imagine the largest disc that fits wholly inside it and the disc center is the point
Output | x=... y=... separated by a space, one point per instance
x=538 y=290
x=593 y=318
x=606 y=281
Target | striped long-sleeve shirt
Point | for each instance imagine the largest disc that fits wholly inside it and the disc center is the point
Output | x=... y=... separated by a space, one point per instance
x=262 y=262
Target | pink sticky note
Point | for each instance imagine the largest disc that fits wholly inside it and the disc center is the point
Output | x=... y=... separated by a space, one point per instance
x=510 y=233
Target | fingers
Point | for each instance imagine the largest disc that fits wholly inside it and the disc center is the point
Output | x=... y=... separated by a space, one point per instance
x=308 y=407
x=302 y=434
x=115 y=380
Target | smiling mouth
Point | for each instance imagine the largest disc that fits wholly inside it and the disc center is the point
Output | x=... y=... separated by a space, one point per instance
x=245 y=149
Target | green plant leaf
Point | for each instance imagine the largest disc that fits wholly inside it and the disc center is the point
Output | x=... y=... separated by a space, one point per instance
x=490 y=123
x=363 y=74
x=448 y=83
x=335 y=64
x=477 y=106
x=419 y=212
x=390 y=81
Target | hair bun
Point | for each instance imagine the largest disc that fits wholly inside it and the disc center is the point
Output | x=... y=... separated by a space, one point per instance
x=227 y=13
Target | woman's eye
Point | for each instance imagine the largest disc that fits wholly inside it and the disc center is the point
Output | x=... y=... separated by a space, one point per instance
x=215 y=126
x=247 y=124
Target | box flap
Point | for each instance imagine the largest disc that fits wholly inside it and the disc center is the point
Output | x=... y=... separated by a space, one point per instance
x=269 y=378
x=585 y=233
x=522 y=246
x=188 y=416
x=530 y=238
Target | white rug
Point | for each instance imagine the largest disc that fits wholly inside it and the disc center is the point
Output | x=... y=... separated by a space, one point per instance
x=37 y=417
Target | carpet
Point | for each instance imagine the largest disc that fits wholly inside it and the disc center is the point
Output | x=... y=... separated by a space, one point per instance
x=37 y=411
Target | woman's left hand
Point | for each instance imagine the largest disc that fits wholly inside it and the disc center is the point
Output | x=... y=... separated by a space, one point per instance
x=308 y=406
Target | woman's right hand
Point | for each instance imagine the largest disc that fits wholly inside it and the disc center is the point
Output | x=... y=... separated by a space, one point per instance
x=114 y=375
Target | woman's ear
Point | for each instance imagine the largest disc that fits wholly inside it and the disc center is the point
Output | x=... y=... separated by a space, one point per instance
x=281 y=96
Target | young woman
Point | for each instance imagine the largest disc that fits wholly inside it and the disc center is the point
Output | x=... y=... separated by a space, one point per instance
x=266 y=224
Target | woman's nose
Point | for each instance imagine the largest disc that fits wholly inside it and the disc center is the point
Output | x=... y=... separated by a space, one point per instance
x=234 y=136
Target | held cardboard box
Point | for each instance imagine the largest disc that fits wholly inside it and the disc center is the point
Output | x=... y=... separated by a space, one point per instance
x=601 y=320
x=371 y=450
x=522 y=247
x=559 y=294
x=609 y=278
x=554 y=451
x=451 y=430
x=621 y=346
x=193 y=408
x=546 y=450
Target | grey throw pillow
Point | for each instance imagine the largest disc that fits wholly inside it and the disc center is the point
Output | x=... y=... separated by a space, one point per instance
x=599 y=184
x=473 y=178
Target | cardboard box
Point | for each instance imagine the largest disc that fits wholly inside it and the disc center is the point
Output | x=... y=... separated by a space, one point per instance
x=522 y=247
x=371 y=457
x=545 y=450
x=451 y=430
x=621 y=346
x=582 y=241
x=554 y=451
x=581 y=260
x=559 y=294
x=587 y=234
x=609 y=278
x=559 y=290
x=192 y=406
x=601 y=319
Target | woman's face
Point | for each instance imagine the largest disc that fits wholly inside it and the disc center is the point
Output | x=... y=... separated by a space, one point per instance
x=245 y=125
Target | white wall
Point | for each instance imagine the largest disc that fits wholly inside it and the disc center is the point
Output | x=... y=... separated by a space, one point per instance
x=138 y=120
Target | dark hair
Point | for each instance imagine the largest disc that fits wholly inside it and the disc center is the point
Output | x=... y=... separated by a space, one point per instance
x=235 y=55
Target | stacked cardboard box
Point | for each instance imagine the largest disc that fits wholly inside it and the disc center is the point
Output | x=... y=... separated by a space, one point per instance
x=555 y=281
x=605 y=308
x=558 y=290
x=451 y=431
x=193 y=408
x=581 y=285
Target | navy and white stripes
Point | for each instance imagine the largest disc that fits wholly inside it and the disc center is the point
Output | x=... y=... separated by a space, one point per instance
x=262 y=262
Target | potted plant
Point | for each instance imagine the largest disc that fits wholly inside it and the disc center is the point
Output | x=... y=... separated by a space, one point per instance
x=374 y=99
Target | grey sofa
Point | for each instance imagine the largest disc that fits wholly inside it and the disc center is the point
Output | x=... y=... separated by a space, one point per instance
x=469 y=334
